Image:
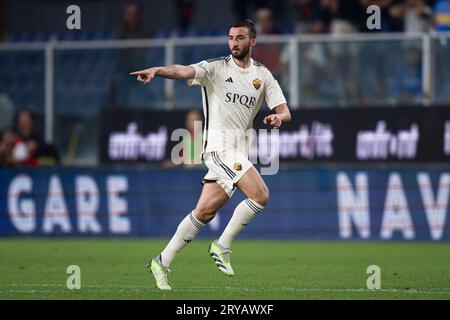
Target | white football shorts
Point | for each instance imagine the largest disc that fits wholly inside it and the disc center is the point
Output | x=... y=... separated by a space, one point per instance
x=226 y=168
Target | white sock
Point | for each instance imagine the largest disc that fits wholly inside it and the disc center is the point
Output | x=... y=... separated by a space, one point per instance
x=242 y=216
x=186 y=231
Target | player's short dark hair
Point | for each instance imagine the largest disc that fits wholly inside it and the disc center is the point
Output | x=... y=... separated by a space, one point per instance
x=247 y=23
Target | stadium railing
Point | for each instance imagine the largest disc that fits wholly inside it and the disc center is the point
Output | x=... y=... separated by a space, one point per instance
x=68 y=82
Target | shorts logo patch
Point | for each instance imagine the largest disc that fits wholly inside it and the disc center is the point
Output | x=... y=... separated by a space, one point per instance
x=257 y=83
x=237 y=166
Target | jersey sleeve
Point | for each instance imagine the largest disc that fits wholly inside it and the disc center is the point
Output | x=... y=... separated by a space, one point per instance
x=273 y=94
x=204 y=74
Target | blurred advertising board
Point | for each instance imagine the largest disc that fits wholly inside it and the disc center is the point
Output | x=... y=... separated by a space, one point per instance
x=400 y=134
x=335 y=204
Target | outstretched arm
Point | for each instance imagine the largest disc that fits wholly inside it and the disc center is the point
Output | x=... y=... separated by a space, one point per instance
x=175 y=71
x=282 y=114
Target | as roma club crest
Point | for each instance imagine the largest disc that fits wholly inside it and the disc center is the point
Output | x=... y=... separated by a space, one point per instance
x=257 y=83
x=237 y=166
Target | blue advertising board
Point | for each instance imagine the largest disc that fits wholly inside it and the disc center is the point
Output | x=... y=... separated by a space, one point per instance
x=334 y=204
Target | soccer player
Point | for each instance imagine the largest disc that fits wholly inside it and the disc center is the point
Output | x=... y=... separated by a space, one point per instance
x=233 y=89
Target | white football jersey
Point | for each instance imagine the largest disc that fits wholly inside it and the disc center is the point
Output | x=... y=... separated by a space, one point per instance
x=232 y=97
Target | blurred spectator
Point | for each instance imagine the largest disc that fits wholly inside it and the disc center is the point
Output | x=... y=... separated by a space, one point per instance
x=311 y=16
x=322 y=81
x=344 y=57
x=13 y=150
x=441 y=15
x=443 y=96
x=6 y=111
x=185 y=13
x=128 y=59
x=267 y=53
x=23 y=146
x=373 y=80
x=192 y=148
x=373 y=91
x=264 y=23
x=441 y=62
x=345 y=15
x=26 y=132
x=332 y=84
x=407 y=84
x=242 y=8
x=414 y=14
x=131 y=26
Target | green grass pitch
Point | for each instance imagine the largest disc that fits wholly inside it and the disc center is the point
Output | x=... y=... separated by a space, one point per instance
x=270 y=270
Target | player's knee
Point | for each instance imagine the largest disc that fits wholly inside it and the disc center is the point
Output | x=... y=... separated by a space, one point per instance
x=205 y=214
x=262 y=196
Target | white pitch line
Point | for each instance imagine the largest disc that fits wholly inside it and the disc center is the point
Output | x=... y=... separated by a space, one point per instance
x=369 y=290
x=148 y=288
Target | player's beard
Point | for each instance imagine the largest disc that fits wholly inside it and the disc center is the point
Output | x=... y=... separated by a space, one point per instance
x=242 y=54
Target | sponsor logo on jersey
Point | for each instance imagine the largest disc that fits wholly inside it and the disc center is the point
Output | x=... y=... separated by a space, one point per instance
x=257 y=83
x=244 y=100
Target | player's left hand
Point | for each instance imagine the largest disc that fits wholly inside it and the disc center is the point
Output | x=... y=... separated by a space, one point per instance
x=274 y=120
